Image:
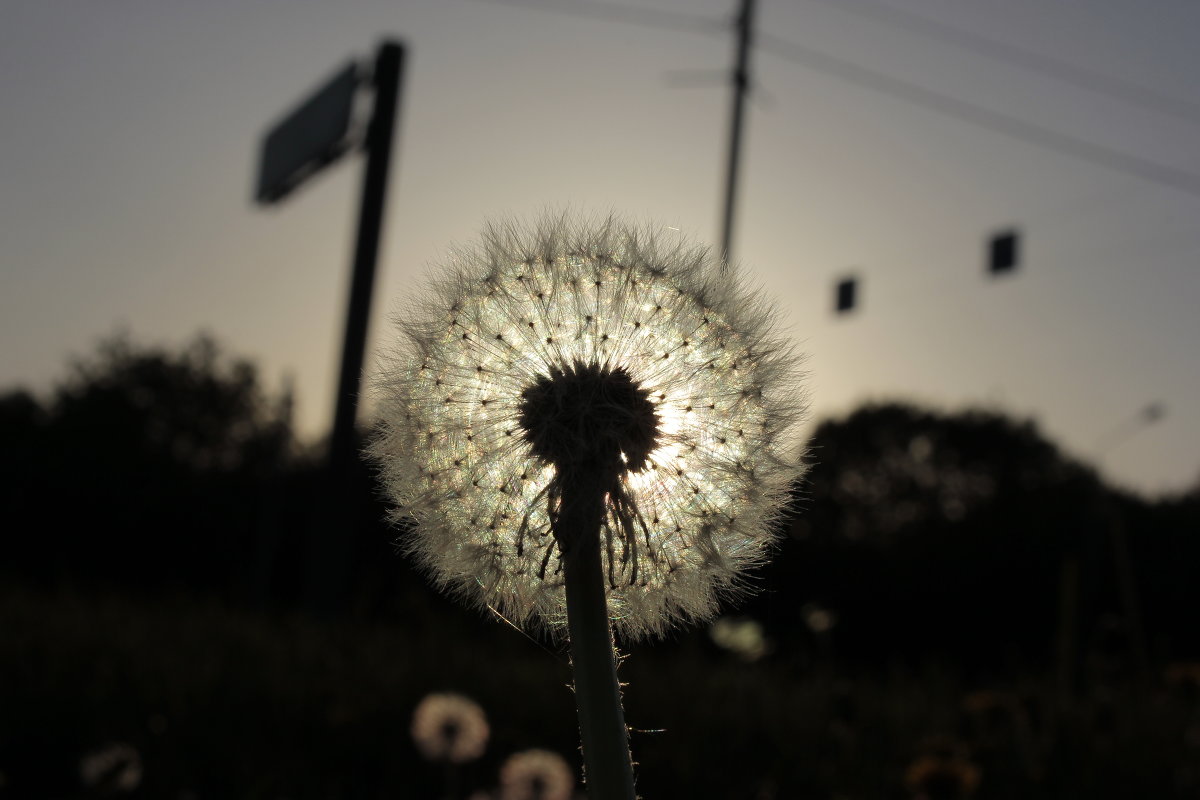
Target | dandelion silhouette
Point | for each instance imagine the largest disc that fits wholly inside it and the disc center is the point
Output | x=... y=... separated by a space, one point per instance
x=589 y=424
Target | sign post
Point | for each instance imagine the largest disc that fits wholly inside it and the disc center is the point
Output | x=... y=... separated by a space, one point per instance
x=386 y=79
x=315 y=134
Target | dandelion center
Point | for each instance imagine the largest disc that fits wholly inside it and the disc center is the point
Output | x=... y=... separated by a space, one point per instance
x=589 y=417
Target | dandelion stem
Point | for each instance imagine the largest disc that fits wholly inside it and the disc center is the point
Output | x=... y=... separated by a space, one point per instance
x=607 y=762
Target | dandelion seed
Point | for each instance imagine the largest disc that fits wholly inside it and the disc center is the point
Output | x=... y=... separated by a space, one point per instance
x=536 y=775
x=450 y=727
x=570 y=348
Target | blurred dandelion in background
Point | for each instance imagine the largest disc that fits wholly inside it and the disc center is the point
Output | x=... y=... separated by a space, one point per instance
x=536 y=775
x=605 y=343
x=115 y=768
x=450 y=727
x=820 y=620
x=742 y=637
x=944 y=771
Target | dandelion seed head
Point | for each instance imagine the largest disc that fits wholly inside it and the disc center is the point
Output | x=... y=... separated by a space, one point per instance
x=536 y=775
x=573 y=343
x=450 y=727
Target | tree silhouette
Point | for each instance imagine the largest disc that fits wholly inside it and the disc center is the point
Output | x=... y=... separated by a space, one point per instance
x=936 y=532
x=141 y=468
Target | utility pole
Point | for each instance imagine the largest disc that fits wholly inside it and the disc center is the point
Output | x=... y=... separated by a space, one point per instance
x=741 y=86
x=743 y=28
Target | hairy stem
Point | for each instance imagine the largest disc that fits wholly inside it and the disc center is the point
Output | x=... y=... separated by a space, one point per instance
x=606 y=757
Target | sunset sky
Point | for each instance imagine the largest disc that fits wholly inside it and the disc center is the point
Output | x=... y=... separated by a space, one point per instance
x=889 y=138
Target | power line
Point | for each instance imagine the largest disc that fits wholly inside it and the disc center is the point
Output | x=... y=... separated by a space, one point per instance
x=915 y=94
x=626 y=14
x=1116 y=160
x=1031 y=60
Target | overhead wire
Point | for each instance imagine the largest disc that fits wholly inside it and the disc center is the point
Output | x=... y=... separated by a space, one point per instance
x=1012 y=126
x=915 y=94
x=681 y=21
x=1031 y=60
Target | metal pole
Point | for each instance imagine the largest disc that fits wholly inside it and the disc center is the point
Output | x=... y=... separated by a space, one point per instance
x=389 y=64
x=741 y=86
x=330 y=548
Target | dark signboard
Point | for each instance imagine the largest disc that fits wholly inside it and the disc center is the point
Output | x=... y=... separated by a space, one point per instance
x=311 y=136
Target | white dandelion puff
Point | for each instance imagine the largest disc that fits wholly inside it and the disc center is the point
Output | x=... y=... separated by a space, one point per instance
x=568 y=347
x=450 y=727
x=536 y=775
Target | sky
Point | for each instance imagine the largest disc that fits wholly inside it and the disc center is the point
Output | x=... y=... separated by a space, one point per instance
x=886 y=139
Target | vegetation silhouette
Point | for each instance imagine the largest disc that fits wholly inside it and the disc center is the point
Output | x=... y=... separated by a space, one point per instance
x=151 y=593
x=141 y=469
x=944 y=534
x=935 y=534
